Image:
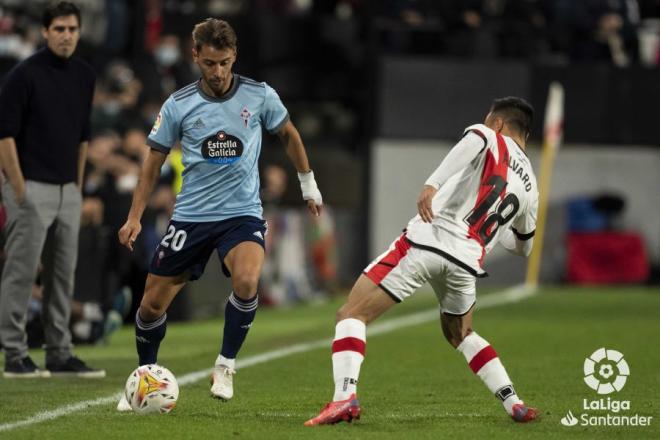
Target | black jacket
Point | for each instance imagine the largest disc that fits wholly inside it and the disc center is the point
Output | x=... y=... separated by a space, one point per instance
x=45 y=105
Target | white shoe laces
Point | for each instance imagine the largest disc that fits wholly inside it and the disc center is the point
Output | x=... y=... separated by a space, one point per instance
x=225 y=372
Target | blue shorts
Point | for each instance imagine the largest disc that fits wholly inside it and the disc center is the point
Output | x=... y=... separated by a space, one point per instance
x=187 y=246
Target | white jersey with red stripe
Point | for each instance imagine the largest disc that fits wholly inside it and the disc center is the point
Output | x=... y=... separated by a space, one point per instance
x=496 y=190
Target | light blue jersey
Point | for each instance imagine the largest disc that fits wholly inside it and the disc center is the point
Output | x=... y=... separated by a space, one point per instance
x=221 y=143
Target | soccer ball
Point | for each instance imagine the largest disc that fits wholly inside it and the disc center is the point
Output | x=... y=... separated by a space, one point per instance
x=152 y=388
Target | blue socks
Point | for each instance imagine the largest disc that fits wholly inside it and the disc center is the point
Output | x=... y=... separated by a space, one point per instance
x=239 y=315
x=148 y=335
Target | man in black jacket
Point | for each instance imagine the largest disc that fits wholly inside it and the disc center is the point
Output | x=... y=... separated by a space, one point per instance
x=45 y=105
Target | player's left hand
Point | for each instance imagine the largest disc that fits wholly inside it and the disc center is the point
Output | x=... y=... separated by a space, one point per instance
x=314 y=208
x=310 y=192
x=425 y=203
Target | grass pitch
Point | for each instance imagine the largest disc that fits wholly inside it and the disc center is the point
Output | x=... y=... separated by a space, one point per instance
x=412 y=384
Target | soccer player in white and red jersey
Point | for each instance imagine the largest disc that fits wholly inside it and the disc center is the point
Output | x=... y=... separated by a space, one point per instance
x=483 y=192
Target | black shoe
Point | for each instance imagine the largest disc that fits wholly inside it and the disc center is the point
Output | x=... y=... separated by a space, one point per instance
x=74 y=367
x=23 y=368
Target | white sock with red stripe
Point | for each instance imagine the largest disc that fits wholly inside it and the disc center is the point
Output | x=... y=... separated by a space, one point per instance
x=347 y=356
x=484 y=362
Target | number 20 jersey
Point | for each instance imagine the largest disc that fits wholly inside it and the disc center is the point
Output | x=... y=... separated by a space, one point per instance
x=497 y=190
x=221 y=143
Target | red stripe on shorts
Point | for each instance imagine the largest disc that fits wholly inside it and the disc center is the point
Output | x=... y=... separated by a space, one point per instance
x=389 y=261
x=486 y=355
x=348 y=344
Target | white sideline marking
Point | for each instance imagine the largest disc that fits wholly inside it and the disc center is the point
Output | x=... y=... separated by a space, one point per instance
x=511 y=295
x=385 y=416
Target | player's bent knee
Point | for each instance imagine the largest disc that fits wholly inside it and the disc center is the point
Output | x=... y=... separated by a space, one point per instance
x=245 y=285
x=151 y=310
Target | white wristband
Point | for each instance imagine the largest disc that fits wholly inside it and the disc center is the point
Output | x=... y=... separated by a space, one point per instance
x=310 y=191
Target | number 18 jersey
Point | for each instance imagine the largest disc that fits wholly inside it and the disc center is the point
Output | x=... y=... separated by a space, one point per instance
x=497 y=190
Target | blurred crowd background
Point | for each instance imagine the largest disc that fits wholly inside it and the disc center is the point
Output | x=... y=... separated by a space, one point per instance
x=379 y=90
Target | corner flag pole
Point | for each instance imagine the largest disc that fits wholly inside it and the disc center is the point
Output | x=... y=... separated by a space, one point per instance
x=553 y=129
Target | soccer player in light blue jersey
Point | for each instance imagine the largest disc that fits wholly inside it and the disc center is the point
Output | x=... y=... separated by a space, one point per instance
x=218 y=120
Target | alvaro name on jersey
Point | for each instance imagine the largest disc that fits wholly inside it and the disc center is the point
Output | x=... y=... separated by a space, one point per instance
x=496 y=190
x=221 y=143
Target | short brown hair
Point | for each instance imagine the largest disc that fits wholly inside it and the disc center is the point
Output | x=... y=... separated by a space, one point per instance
x=214 y=32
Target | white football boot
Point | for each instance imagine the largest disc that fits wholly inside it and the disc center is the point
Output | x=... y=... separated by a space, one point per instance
x=222 y=383
x=123 y=404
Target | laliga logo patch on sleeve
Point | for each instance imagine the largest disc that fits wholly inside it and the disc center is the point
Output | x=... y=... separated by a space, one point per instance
x=156 y=126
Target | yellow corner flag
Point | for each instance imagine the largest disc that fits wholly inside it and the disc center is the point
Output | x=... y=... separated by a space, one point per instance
x=553 y=130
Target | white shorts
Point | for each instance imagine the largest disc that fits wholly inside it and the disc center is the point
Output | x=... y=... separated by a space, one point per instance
x=403 y=269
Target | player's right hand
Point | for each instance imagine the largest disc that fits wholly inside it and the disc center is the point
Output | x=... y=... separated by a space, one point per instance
x=425 y=203
x=129 y=232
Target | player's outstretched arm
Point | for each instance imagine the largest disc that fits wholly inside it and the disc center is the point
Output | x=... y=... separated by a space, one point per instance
x=296 y=151
x=511 y=243
x=148 y=176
